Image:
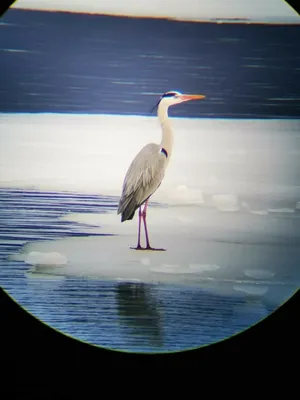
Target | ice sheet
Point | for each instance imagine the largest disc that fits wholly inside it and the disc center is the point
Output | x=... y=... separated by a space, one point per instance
x=207 y=248
x=214 y=160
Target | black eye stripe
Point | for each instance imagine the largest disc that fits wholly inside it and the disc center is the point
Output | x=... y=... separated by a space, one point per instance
x=170 y=94
x=165 y=95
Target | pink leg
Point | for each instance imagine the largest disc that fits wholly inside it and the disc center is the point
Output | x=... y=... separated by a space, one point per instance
x=144 y=215
x=138 y=247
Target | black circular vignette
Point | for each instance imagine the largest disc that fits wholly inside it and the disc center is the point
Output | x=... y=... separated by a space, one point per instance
x=33 y=351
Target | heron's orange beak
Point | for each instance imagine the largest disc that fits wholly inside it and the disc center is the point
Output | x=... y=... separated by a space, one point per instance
x=187 y=97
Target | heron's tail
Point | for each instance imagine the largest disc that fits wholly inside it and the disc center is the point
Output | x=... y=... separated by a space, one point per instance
x=127 y=208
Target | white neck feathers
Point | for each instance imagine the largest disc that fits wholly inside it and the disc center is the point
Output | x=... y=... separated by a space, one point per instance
x=167 y=132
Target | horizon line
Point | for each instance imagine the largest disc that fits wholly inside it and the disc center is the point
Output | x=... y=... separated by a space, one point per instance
x=219 y=20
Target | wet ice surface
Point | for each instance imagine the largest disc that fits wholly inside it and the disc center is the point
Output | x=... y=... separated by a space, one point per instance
x=211 y=246
x=71 y=266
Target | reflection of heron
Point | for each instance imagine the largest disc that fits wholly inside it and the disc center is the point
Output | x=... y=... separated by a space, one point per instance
x=138 y=309
x=147 y=170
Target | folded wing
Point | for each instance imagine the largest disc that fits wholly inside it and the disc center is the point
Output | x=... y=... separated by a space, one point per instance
x=142 y=179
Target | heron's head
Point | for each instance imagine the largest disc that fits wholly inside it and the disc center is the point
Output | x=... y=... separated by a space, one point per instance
x=173 y=97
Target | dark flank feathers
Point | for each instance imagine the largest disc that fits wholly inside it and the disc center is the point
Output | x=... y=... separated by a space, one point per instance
x=128 y=207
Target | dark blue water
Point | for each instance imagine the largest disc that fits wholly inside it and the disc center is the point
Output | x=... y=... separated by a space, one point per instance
x=64 y=62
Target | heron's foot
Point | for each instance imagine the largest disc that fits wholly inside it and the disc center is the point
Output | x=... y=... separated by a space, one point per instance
x=146 y=248
x=138 y=247
x=154 y=249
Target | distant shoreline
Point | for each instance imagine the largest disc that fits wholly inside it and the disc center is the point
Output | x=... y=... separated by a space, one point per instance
x=231 y=20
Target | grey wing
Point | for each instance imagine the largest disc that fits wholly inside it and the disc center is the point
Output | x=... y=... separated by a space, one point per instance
x=142 y=179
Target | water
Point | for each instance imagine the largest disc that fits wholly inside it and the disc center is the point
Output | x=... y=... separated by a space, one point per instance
x=56 y=185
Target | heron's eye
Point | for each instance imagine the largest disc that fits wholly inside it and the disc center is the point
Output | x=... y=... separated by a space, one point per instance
x=170 y=94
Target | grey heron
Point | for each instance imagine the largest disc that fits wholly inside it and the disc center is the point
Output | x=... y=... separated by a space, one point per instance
x=147 y=170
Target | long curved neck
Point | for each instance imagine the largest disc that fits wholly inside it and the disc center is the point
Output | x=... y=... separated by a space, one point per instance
x=167 y=132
